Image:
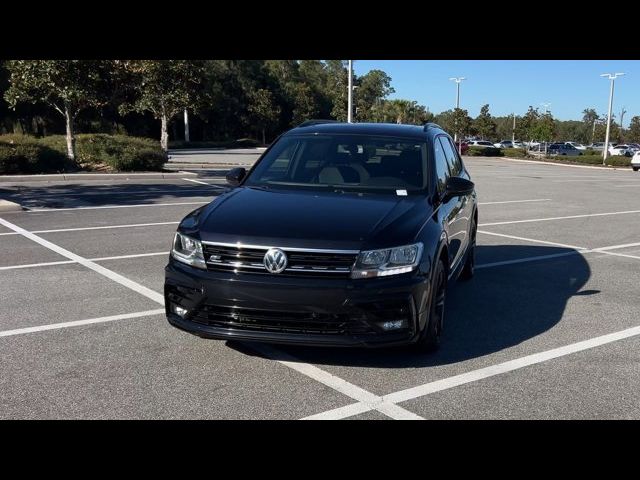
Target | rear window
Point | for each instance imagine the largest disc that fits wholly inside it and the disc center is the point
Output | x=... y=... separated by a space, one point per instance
x=345 y=162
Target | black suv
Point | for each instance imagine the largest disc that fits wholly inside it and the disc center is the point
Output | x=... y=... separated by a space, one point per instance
x=340 y=234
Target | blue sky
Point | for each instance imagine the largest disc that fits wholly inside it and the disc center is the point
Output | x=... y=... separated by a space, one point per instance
x=513 y=85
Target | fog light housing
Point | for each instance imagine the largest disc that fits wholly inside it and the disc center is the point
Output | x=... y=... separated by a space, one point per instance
x=394 y=324
x=178 y=310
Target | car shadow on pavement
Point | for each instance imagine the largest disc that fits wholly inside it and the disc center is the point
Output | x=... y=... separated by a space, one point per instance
x=115 y=194
x=500 y=307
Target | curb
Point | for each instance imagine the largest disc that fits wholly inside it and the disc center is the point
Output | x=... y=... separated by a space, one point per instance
x=91 y=176
x=565 y=164
x=7 y=206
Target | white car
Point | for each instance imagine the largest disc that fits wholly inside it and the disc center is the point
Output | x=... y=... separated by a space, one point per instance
x=481 y=143
x=624 y=150
x=577 y=145
x=635 y=162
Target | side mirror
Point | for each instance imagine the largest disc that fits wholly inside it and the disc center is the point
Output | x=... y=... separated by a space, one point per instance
x=457 y=187
x=235 y=176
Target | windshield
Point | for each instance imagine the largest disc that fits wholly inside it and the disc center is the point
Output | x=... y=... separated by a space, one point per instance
x=344 y=163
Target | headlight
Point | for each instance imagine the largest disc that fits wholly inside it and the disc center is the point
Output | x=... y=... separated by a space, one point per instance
x=188 y=250
x=388 y=261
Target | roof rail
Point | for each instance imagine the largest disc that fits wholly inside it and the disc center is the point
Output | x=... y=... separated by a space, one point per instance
x=429 y=125
x=309 y=123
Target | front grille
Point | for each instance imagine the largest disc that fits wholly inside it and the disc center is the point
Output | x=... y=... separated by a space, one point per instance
x=241 y=259
x=280 y=321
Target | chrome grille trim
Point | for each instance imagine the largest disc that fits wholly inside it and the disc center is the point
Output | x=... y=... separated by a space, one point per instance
x=286 y=249
x=239 y=258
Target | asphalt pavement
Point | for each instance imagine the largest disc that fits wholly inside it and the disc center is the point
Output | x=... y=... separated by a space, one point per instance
x=548 y=329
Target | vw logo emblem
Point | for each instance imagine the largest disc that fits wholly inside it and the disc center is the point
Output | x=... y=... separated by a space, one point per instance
x=275 y=260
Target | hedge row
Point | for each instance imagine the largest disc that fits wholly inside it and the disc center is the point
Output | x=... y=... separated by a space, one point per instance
x=241 y=143
x=26 y=154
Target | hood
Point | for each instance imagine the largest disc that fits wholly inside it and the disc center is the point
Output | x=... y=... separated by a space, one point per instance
x=294 y=218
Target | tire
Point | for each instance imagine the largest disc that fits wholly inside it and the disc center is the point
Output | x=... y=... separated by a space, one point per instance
x=469 y=269
x=635 y=169
x=429 y=340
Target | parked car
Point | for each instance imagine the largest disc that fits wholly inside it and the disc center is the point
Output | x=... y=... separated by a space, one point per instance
x=517 y=144
x=635 y=161
x=597 y=146
x=563 y=149
x=504 y=144
x=577 y=145
x=341 y=234
x=481 y=143
x=622 y=149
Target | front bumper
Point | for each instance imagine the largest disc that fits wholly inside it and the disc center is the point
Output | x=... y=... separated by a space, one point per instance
x=296 y=310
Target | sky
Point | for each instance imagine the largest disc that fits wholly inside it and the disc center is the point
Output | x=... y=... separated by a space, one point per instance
x=512 y=85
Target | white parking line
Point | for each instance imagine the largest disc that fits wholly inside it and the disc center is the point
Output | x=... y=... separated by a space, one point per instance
x=200 y=182
x=482 y=373
x=103 y=207
x=580 y=250
x=55 y=326
x=516 y=201
x=371 y=400
x=123 y=192
x=67 y=262
x=364 y=397
x=31 y=265
x=555 y=244
x=116 y=277
x=547 y=219
x=102 y=227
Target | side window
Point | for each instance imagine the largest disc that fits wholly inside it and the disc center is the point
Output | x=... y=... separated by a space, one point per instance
x=442 y=169
x=455 y=167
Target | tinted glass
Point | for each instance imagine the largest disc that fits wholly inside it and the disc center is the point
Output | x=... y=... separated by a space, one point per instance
x=347 y=162
x=442 y=167
x=455 y=166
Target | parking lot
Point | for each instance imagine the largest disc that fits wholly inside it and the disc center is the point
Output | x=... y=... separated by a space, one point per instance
x=549 y=328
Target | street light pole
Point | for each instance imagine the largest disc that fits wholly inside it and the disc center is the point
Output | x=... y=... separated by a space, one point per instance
x=513 y=131
x=186 y=125
x=458 y=80
x=612 y=77
x=350 y=102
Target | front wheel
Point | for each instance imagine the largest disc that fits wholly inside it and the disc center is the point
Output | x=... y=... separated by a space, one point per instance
x=635 y=169
x=430 y=335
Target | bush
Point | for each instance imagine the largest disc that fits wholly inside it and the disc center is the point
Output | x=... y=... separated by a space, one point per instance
x=514 y=152
x=615 y=161
x=485 y=152
x=25 y=154
x=240 y=143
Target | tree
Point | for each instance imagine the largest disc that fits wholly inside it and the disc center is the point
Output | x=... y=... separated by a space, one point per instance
x=484 y=124
x=264 y=110
x=634 y=129
x=164 y=88
x=545 y=128
x=525 y=126
x=68 y=86
x=372 y=89
x=336 y=88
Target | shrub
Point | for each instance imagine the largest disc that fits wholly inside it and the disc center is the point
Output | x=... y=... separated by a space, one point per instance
x=24 y=154
x=485 y=152
x=240 y=143
x=616 y=161
x=514 y=152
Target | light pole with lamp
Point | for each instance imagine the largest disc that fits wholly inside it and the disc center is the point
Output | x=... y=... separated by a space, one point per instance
x=458 y=80
x=612 y=77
